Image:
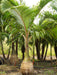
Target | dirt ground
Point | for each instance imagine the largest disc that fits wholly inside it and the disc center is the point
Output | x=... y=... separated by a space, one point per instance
x=11 y=70
x=42 y=68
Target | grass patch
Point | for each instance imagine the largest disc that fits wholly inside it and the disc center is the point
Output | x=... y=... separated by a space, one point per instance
x=49 y=72
x=3 y=72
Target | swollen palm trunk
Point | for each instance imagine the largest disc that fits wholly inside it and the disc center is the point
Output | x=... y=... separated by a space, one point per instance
x=14 y=60
x=26 y=66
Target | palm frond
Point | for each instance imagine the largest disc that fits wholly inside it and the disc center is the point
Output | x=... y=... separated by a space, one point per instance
x=47 y=14
x=54 y=4
x=23 y=14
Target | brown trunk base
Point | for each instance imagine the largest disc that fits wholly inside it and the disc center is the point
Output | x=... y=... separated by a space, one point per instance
x=14 y=60
x=27 y=68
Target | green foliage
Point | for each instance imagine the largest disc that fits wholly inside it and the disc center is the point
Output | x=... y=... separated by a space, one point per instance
x=23 y=14
x=43 y=3
x=54 y=4
x=49 y=72
x=48 y=23
x=14 y=2
x=17 y=19
x=47 y=14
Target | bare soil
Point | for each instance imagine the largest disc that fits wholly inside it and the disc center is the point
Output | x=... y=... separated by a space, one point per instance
x=42 y=68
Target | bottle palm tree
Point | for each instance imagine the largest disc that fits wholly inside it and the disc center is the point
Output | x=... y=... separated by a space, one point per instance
x=25 y=17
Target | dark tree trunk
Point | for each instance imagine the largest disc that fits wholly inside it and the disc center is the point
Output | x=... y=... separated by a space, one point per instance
x=8 y=53
x=37 y=48
x=12 y=47
x=17 y=47
x=43 y=48
x=5 y=60
x=23 y=50
x=55 y=48
x=33 y=52
x=51 y=52
x=1 y=60
x=46 y=52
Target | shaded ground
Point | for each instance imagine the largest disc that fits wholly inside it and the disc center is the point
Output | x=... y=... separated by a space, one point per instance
x=15 y=71
x=47 y=71
x=9 y=70
x=42 y=68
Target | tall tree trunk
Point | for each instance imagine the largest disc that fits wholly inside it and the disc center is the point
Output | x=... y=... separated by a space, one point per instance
x=33 y=47
x=43 y=48
x=26 y=47
x=55 y=48
x=51 y=52
x=23 y=50
x=12 y=47
x=37 y=48
x=46 y=52
x=2 y=49
x=33 y=51
x=9 y=52
x=17 y=47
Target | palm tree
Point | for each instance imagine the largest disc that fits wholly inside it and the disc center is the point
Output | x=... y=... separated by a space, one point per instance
x=6 y=24
x=53 y=4
x=25 y=17
x=3 y=34
x=13 y=29
x=44 y=27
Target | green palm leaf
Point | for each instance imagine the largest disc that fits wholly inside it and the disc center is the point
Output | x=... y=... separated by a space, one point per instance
x=54 y=4
x=23 y=14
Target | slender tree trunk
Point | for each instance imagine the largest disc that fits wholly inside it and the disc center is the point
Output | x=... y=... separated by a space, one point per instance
x=46 y=52
x=23 y=50
x=37 y=48
x=26 y=47
x=43 y=48
x=51 y=52
x=8 y=52
x=33 y=47
x=55 y=48
x=23 y=56
x=2 y=49
x=17 y=47
x=5 y=59
x=2 y=44
x=33 y=52
x=12 y=47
